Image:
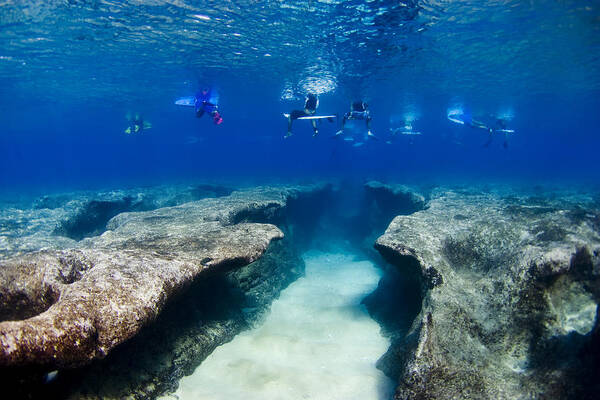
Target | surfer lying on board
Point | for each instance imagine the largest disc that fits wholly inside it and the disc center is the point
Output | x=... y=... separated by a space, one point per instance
x=358 y=110
x=207 y=101
x=310 y=108
x=459 y=117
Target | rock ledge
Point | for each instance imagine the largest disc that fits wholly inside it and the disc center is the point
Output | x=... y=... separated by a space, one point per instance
x=64 y=308
x=510 y=286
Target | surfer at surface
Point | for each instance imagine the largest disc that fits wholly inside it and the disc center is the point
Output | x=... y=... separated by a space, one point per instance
x=310 y=108
x=136 y=123
x=358 y=110
x=207 y=100
x=499 y=126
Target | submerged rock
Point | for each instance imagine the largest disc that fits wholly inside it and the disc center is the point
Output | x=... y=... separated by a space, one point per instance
x=64 y=308
x=397 y=198
x=510 y=290
x=385 y=201
x=59 y=221
x=208 y=314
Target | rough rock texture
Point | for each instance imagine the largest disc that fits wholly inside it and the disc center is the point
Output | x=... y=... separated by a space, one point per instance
x=395 y=198
x=510 y=286
x=65 y=308
x=379 y=204
x=58 y=221
x=23 y=230
x=211 y=312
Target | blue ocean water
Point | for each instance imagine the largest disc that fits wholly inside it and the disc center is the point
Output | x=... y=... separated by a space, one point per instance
x=71 y=71
x=438 y=76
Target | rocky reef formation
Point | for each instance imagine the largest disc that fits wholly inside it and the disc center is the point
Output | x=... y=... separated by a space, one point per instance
x=385 y=201
x=356 y=213
x=210 y=313
x=490 y=293
x=59 y=221
x=509 y=290
x=394 y=199
x=66 y=308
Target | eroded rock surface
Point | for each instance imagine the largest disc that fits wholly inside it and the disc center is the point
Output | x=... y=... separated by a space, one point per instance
x=58 y=221
x=208 y=314
x=64 y=308
x=395 y=198
x=510 y=287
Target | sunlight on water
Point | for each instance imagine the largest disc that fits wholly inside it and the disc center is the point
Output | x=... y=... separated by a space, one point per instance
x=318 y=342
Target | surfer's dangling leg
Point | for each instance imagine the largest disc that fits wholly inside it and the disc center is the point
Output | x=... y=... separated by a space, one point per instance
x=368 y=121
x=289 y=129
x=490 y=137
x=341 y=131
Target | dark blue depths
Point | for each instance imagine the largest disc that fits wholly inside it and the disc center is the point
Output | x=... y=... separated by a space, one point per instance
x=64 y=118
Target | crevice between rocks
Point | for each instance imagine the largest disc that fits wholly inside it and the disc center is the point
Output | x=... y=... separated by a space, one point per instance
x=211 y=312
x=215 y=308
x=219 y=305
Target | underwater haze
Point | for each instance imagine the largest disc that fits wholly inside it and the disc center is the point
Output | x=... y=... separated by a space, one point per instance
x=71 y=72
x=316 y=199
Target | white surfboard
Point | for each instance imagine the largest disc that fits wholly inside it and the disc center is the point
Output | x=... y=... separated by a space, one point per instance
x=506 y=130
x=189 y=101
x=311 y=116
x=455 y=120
x=399 y=132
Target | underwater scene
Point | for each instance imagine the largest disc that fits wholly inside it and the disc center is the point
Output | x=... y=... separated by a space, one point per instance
x=317 y=199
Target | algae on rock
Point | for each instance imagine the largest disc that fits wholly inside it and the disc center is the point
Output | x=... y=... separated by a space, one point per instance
x=510 y=298
x=73 y=306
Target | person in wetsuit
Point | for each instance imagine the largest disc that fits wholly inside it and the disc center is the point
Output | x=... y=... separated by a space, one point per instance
x=207 y=101
x=310 y=108
x=136 y=123
x=358 y=110
x=499 y=128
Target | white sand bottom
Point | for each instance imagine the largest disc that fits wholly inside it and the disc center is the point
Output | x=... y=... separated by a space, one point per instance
x=318 y=342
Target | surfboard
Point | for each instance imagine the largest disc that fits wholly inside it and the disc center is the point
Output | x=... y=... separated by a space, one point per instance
x=407 y=132
x=456 y=120
x=506 y=130
x=311 y=116
x=189 y=101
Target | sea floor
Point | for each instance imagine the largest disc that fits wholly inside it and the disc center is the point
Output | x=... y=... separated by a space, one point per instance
x=318 y=342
